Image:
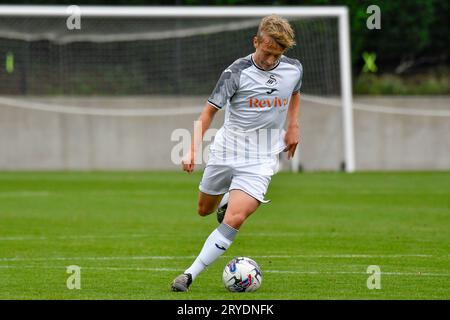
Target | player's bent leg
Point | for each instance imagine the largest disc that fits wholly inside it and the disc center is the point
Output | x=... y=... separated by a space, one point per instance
x=207 y=203
x=215 y=245
x=240 y=206
x=215 y=182
x=222 y=208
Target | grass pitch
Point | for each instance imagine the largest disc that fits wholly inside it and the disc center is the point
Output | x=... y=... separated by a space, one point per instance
x=132 y=233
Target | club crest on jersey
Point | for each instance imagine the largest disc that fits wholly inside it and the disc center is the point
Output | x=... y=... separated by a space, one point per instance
x=272 y=81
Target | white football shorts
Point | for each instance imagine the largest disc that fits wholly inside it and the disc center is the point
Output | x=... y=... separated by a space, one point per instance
x=251 y=176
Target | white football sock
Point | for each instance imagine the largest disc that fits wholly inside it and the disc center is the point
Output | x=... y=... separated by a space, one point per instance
x=216 y=244
x=224 y=200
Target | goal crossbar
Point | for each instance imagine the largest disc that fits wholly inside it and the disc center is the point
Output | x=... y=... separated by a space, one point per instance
x=172 y=11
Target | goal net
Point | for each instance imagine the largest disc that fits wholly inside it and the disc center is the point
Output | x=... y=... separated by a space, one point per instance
x=138 y=63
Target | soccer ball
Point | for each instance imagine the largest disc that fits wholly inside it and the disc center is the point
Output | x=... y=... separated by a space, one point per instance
x=242 y=274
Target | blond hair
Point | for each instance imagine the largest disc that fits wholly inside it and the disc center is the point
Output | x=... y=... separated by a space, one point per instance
x=278 y=29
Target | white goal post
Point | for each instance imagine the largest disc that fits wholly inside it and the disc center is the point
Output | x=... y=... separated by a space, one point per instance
x=339 y=12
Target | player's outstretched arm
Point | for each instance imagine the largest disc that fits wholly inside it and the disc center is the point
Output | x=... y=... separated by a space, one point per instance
x=292 y=137
x=202 y=124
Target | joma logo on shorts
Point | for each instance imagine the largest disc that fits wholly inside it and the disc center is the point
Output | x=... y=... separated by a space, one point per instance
x=267 y=103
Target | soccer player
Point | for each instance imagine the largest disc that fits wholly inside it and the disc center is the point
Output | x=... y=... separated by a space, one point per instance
x=258 y=92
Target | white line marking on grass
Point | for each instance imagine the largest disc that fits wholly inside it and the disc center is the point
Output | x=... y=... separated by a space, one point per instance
x=428 y=274
x=137 y=269
x=44 y=193
x=93 y=236
x=94 y=268
x=8 y=194
x=345 y=256
x=98 y=258
x=354 y=272
x=84 y=193
x=33 y=238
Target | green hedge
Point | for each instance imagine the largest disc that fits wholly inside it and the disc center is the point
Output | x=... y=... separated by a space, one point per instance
x=391 y=84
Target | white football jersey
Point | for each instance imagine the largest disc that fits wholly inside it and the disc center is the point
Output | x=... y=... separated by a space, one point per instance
x=256 y=103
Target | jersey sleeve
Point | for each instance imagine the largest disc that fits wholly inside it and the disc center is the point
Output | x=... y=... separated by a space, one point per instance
x=225 y=88
x=299 y=82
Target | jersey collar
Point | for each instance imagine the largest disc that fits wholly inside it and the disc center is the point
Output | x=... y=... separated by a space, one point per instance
x=253 y=62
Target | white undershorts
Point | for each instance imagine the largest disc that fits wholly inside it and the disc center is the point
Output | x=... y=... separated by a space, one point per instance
x=251 y=176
